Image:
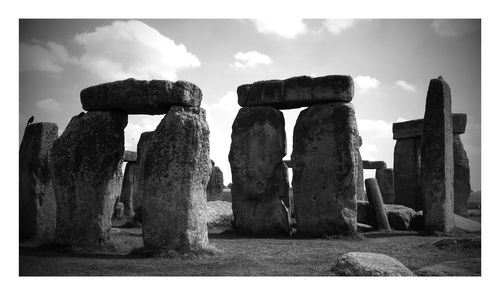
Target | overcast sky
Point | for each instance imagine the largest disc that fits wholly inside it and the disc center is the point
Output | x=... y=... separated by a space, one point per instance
x=391 y=61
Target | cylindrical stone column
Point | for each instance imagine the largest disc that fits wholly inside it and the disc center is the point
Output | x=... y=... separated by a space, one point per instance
x=377 y=204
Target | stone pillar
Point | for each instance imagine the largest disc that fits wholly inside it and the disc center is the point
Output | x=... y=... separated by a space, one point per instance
x=361 y=195
x=377 y=205
x=37 y=203
x=215 y=185
x=385 y=180
x=128 y=187
x=142 y=148
x=176 y=172
x=325 y=174
x=259 y=176
x=86 y=169
x=437 y=158
x=461 y=184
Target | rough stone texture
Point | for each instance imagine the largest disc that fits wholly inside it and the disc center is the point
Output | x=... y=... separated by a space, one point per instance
x=374 y=165
x=140 y=97
x=129 y=156
x=437 y=158
x=215 y=185
x=385 y=179
x=464 y=268
x=259 y=177
x=399 y=216
x=369 y=264
x=380 y=219
x=219 y=216
x=119 y=211
x=407 y=173
x=364 y=212
x=413 y=128
x=142 y=148
x=86 y=172
x=288 y=163
x=466 y=224
x=176 y=173
x=128 y=187
x=360 y=192
x=325 y=145
x=37 y=203
x=417 y=222
x=296 y=92
x=461 y=183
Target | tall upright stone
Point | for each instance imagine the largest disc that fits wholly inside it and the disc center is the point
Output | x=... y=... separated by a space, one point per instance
x=215 y=185
x=385 y=180
x=461 y=183
x=142 y=149
x=360 y=194
x=377 y=204
x=86 y=169
x=37 y=203
x=259 y=181
x=325 y=174
x=437 y=158
x=176 y=172
x=128 y=188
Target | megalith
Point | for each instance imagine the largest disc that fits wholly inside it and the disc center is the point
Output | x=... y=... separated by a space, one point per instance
x=259 y=177
x=142 y=148
x=461 y=183
x=176 y=172
x=128 y=188
x=385 y=180
x=437 y=159
x=325 y=169
x=377 y=204
x=86 y=171
x=360 y=193
x=37 y=203
x=215 y=185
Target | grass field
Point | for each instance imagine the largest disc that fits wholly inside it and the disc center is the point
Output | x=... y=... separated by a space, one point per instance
x=240 y=256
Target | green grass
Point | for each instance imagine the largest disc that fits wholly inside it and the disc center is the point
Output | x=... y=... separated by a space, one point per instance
x=238 y=256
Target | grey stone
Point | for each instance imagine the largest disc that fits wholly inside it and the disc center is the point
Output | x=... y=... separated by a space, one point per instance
x=374 y=165
x=142 y=148
x=288 y=163
x=461 y=183
x=325 y=144
x=437 y=159
x=417 y=221
x=296 y=92
x=140 y=97
x=259 y=177
x=128 y=187
x=119 y=211
x=413 y=128
x=407 y=190
x=385 y=179
x=215 y=185
x=380 y=219
x=219 y=216
x=399 y=216
x=364 y=212
x=360 y=193
x=37 y=203
x=369 y=264
x=86 y=171
x=466 y=224
x=176 y=172
x=129 y=156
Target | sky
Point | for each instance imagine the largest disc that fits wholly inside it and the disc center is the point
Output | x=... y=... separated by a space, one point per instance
x=391 y=62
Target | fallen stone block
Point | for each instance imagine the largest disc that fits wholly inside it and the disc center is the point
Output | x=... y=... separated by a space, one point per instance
x=369 y=264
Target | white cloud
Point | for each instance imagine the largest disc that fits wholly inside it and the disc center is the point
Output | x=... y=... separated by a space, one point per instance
x=335 y=26
x=406 y=86
x=286 y=28
x=133 y=49
x=400 y=119
x=368 y=152
x=48 y=104
x=228 y=103
x=250 y=59
x=48 y=57
x=138 y=124
x=375 y=129
x=366 y=82
x=455 y=27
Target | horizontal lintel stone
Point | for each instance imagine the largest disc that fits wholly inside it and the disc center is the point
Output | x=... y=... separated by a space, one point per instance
x=413 y=128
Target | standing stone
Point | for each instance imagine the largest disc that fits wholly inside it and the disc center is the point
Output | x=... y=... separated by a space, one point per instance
x=138 y=193
x=37 y=203
x=86 y=169
x=360 y=195
x=407 y=173
x=119 y=211
x=176 y=173
x=377 y=204
x=257 y=149
x=128 y=187
x=325 y=174
x=215 y=185
x=385 y=180
x=461 y=184
x=437 y=158
x=129 y=156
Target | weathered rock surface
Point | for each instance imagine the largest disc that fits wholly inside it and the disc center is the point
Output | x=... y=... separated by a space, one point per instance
x=466 y=224
x=385 y=180
x=259 y=176
x=219 y=216
x=374 y=165
x=399 y=216
x=364 y=212
x=465 y=268
x=176 y=172
x=461 y=183
x=325 y=144
x=129 y=156
x=417 y=222
x=360 y=192
x=142 y=148
x=215 y=185
x=380 y=219
x=86 y=172
x=37 y=203
x=407 y=173
x=296 y=92
x=413 y=128
x=140 y=97
x=437 y=158
x=369 y=264
x=119 y=211
x=128 y=187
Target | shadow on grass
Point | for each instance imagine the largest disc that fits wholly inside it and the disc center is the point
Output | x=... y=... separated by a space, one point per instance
x=60 y=250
